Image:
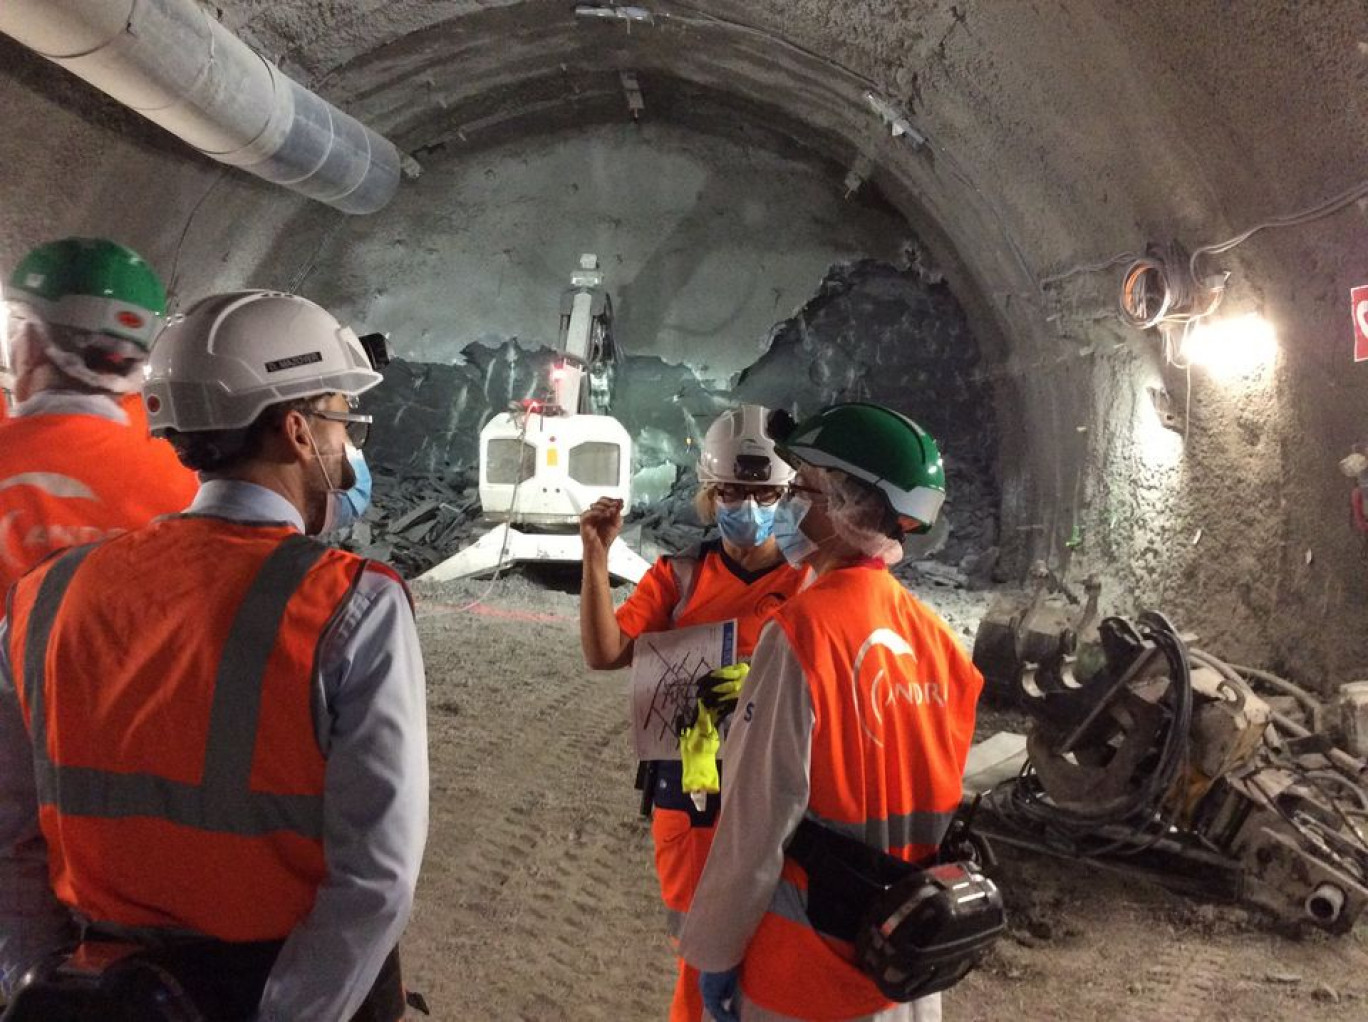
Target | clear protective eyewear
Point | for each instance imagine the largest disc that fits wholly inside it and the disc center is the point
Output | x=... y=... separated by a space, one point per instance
x=765 y=496
x=357 y=425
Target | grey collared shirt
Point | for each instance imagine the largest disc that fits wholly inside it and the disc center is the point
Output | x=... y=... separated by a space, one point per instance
x=371 y=720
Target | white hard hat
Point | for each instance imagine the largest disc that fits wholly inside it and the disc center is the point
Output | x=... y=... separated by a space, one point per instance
x=739 y=449
x=232 y=355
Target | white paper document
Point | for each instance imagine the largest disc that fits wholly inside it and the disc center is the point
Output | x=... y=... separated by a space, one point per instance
x=665 y=667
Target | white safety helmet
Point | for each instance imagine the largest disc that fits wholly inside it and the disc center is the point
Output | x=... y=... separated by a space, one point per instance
x=739 y=449
x=233 y=355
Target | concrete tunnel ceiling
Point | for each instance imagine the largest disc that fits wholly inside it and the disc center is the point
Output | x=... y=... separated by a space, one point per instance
x=1056 y=136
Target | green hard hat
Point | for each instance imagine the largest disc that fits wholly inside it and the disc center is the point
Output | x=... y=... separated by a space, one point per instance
x=879 y=446
x=91 y=284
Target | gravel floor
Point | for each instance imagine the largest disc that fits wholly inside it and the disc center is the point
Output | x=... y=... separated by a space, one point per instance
x=537 y=899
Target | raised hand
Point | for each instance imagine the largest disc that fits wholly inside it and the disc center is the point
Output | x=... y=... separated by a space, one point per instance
x=599 y=525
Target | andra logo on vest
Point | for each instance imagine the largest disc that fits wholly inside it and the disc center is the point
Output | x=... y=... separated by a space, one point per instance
x=882 y=685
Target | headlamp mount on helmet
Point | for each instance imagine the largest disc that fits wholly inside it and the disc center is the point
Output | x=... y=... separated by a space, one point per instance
x=738 y=449
x=752 y=468
x=378 y=350
x=779 y=424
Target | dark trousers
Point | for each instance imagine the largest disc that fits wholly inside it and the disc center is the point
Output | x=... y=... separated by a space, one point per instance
x=226 y=980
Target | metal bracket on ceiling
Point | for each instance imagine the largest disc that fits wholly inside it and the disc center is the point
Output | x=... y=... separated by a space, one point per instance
x=858 y=174
x=896 y=119
x=635 y=103
x=613 y=12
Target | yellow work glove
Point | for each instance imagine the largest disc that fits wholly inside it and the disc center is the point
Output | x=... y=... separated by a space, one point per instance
x=719 y=689
x=698 y=747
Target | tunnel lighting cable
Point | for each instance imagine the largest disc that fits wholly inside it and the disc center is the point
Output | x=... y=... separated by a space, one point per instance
x=1331 y=205
x=174 y=277
x=508 y=525
x=702 y=19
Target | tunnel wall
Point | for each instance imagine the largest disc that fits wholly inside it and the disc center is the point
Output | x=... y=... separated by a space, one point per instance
x=705 y=243
x=1057 y=137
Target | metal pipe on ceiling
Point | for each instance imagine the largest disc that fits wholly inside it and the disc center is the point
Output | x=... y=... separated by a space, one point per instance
x=170 y=61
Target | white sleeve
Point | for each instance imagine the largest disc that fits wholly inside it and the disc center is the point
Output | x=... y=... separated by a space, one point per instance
x=764 y=795
x=375 y=810
x=32 y=921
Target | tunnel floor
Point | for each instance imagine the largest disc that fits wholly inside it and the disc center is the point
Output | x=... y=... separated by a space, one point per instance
x=538 y=900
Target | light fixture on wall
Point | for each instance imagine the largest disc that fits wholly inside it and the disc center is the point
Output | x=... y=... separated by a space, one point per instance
x=1230 y=347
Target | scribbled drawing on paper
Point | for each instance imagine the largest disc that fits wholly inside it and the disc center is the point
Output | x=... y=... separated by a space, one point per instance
x=665 y=669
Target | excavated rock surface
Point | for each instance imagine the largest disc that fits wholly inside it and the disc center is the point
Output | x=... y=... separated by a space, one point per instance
x=872 y=333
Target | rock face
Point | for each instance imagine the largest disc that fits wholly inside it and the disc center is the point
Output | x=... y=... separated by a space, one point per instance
x=877 y=333
x=873 y=332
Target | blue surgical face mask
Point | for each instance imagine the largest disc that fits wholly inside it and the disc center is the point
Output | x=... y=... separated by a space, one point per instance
x=745 y=524
x=793 y=542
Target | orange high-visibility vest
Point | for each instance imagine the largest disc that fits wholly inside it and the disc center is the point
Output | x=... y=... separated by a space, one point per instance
x=700 y=586
x=70 y=479
x=697 y=586
x=893 y=699
x=167 y=681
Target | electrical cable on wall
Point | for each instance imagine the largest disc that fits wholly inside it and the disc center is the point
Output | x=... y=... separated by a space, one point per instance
x=173 y=278
x=503 y=549
x=1158 y=290
x=1145 y=289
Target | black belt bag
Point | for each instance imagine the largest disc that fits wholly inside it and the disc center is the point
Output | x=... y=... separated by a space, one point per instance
x=916 y=930
x=181 y=980
x=661 y=783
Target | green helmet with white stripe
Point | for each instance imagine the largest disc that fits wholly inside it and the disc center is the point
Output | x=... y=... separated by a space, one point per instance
x=878 y=446
x=90 y=285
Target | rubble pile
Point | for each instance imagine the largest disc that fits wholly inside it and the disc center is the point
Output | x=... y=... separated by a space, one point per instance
x=876 y=333
x=873 y=332
x=416 y=520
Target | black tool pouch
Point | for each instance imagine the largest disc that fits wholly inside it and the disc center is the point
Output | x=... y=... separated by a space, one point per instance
x=916 y=931
x=844 y=877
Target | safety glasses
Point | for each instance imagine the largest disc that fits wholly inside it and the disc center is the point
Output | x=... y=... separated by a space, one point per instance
x=765 y=496
x=357 y=425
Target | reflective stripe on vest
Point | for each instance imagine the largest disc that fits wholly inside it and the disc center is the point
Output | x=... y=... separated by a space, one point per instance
x=223 y=802
x=920 y=827
x=684 y=566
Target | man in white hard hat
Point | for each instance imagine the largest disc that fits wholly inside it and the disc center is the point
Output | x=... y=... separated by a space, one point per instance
x=241 y=779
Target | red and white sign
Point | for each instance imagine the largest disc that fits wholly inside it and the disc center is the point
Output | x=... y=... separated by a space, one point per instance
x=1358 y=301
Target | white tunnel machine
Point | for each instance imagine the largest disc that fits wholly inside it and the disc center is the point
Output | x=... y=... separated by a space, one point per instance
x=540 y=468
